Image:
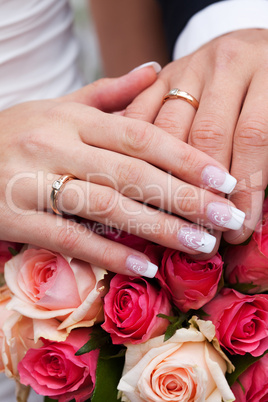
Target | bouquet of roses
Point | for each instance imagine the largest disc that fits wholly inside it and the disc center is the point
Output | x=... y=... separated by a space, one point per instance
x=198 y=331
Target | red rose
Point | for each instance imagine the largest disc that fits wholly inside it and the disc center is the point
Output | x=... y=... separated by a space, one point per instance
x=249 y=264
x=131 y=307
x=254 y=382
x=190 y=283
x=128 y=239
x=265 y=206
x=241 y=321
x=53 y=370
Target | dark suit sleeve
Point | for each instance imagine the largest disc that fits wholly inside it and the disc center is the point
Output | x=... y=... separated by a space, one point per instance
x=176 y=14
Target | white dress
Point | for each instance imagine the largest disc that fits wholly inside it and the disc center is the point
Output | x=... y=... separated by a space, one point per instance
x=38 y=51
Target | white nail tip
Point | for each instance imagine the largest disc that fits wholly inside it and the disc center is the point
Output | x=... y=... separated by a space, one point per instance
x=156 y=66
x=237 y=219
x=208 y=243
x=228 y=185
x=151 y=270
x=141 y=266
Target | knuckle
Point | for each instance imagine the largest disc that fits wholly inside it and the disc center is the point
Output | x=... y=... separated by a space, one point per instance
x=67 y=239
x=107 y=255
x=208 y=135
x=33 y=141
x=253 y=133
x=226 y=50
x=190 y=160
x=168 y=122
x=129 y=173
x=60 y=112
x=138 y=139
x=104 y=204
x=161 y=229
x=136 y=111
x=186 y=200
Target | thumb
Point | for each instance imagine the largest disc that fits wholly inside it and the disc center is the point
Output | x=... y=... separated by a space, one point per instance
x=114 y=94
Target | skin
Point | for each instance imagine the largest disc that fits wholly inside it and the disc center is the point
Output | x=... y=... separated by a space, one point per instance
x=135 y=33
x=78 y=134
x=228 y=76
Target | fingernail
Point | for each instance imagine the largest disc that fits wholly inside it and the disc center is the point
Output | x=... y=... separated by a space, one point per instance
x=196 y=239
x=141 y=266
x=156 y=66
x=221 y=214
x=216 y=178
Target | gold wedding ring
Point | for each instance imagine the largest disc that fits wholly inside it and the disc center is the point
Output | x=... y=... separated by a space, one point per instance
x=57 y=187
x=176 y=93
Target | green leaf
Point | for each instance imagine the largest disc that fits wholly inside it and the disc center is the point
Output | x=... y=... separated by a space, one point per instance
x=241 y=363
x=200 y=313
x=98 y=338
x=47 y=399
x=243 y=287
x=176 y=322
x=266 y=192
x=170 y=331
x=108 y=374
x=113 y=351
x=12 y=251
x=170 y=318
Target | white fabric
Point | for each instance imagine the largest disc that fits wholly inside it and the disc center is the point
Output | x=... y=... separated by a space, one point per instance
x=38 y=51
x=218 y=19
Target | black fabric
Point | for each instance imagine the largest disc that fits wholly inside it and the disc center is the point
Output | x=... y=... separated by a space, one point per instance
x=176 y=14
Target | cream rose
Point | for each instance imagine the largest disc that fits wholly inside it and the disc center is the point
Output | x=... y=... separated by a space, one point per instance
x=186 y=368
x=5 y=297
x=47 y=285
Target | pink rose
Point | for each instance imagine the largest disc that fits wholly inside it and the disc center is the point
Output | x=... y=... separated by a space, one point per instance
x=131 y=307
x=48 y=285
x=5 y=253
x=254 y=382
x=249 y=264
x=190 y=283
x=53 y=369
x=241 y=321
x=185 y=368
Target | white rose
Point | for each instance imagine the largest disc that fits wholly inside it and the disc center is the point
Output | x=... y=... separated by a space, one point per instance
x=185 y=368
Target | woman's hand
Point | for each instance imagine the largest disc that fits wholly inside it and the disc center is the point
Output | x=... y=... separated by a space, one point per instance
x=120 y=165
x=229 y=77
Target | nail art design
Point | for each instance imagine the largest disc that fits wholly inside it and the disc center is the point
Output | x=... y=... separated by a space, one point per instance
x=216 y=178
x=141 y=266
x=223 y=215
x=196 y=239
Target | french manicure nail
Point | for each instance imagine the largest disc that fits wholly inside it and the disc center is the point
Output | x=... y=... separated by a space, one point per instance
x=196 y=239
x=156 y=66
x=141 y=266
x=216 y=178
x=223 y=215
